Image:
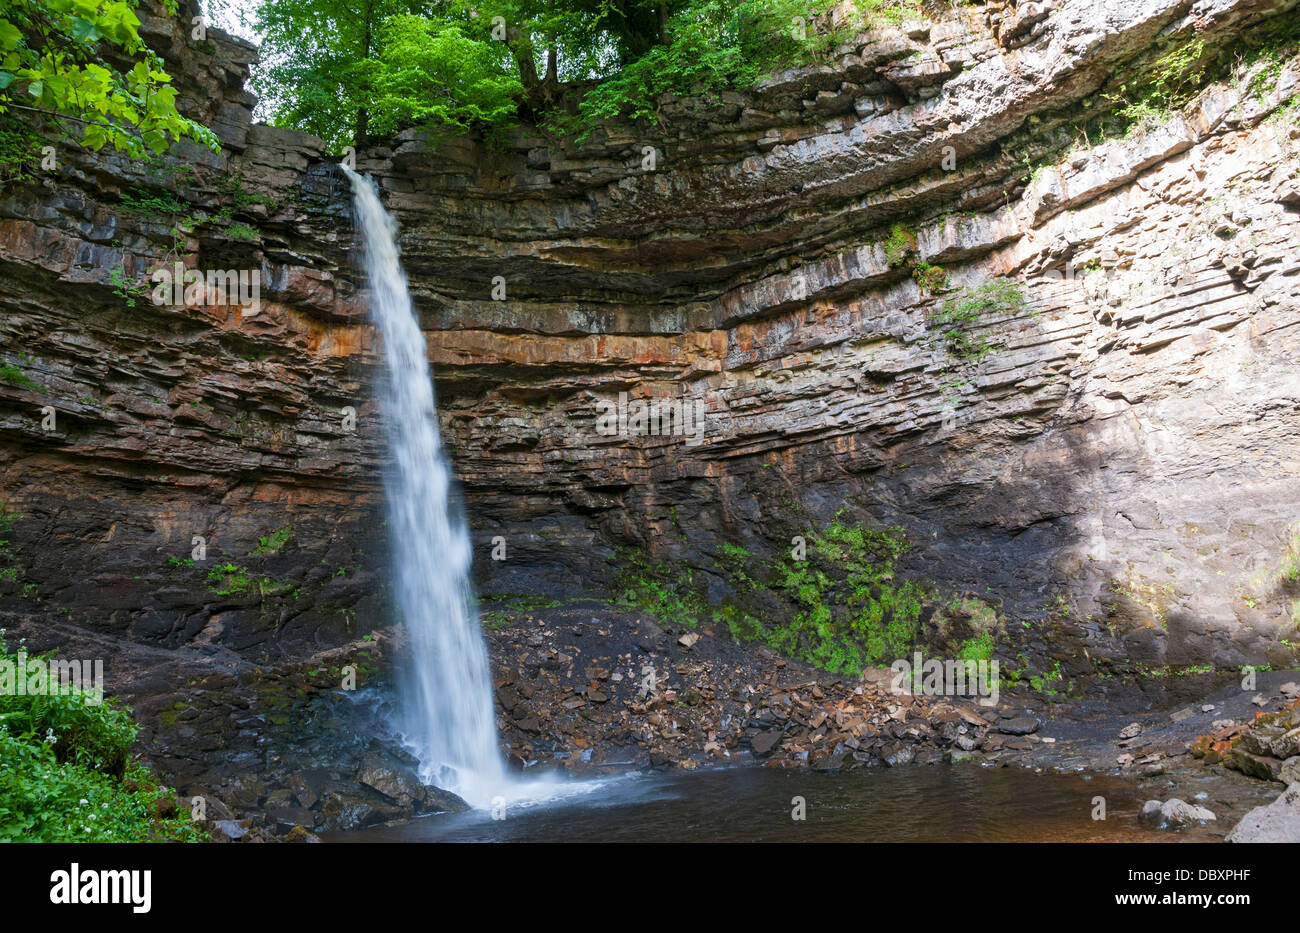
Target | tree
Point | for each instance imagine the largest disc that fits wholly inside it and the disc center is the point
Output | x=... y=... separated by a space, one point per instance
x=432 y=72
x=337 y=68
x=84 y=60
x=318 y=56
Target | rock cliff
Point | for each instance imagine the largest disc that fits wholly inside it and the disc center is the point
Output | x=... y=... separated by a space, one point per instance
x=1110 y=457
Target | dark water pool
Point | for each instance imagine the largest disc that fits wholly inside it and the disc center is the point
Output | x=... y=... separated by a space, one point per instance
x=929 y=803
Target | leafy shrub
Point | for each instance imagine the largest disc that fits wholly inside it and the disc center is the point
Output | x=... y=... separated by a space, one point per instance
x=20 y=153
x=98 y=737
x=431 y=72
x=851 y=611
x=67 y=775
x=87 y=60
x=44 y=800
x=1170 y=83
x=847 y=608
x=151 y=206
x=274 y=542
x=125 y=287
x=241 y=232
x=15 y=377
x=1289 y=572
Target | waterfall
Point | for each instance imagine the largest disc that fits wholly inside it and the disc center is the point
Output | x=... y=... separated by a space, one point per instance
x=447 y=715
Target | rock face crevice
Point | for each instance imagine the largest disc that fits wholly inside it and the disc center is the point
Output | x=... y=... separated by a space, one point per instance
x=1119 y=461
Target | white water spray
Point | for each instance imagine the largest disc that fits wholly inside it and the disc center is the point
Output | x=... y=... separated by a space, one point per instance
x=447 y=697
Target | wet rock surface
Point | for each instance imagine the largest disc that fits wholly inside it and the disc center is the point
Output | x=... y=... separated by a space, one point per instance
x=1261 y=747
x=283 y=754
x=560 y=707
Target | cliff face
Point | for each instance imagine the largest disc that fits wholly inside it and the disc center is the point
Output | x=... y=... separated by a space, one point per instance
x=1116 y=455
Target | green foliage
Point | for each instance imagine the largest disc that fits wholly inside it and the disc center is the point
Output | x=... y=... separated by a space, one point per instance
x=1042 y=683
x=85 y=61
x=977 y=647
x=657 y=587
x=229 y=579
x=274 y=542
x=125 y=287
x=930 y=277
x=1276 y=43
x=953 y=323
x=15 y=377
x=97 y=737
x=153 y=207
x=317 y=56
x=235 y=581
x=735 y=565
x=20 y=152
x=899 y=246
x=847 y=607
x=232 y=188
x=7 y=519
x=1170 y=82
x=340 y=71
x=43 y=800
x=851 y=611
x=710 y=45
x=1289 y=572
x=433 y=72
x=67 y=776
x=242 y=232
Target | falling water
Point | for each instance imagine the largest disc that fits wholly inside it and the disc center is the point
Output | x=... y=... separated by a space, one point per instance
x=447 y=695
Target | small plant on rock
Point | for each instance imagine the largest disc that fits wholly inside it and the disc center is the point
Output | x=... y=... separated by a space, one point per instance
x=899 y=245
x=931 y=278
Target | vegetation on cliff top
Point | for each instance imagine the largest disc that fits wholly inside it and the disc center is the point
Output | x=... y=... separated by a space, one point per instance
x=83 y=61
x=343 y=72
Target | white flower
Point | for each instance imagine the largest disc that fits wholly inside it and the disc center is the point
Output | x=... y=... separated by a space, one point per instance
x=50 y=737
x=83 y=800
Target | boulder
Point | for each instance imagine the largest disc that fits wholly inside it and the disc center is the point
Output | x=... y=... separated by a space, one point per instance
x=1290 y=771
x=1279 y=821
x=1021 y=725
x=1173 y=814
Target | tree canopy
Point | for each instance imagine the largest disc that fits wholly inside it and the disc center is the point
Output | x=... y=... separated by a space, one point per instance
x=344 y=69
x=83 y=60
